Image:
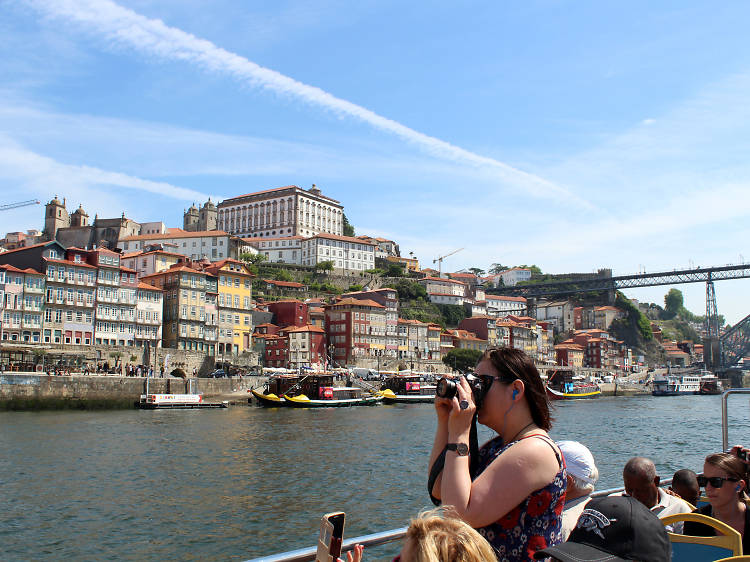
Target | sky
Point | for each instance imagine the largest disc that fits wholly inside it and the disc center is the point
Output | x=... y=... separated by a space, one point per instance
x=571 y=135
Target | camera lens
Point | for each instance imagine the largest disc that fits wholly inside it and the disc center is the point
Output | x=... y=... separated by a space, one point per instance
x=446 y=388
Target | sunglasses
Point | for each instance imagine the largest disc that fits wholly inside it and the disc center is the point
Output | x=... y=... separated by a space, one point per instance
x=715 y=481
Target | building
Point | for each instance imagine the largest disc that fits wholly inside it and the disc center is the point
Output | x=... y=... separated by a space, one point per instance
x=235 y=304
x=499 y=305
x=22 y=303
x=151 y=260
x=388 y=298
x=284 y=211
x=307 y=346
x=189 y=318
x=116 y=291
x=355 y=329
x=409 y=264
x=149 y=307
x=463 y=339
x=605 y=315
x=346 y=253
x=569 y=355
x=279 y=249
x=414 y=339
x=444 y=291
x=290 y=312
x=484 y=327
x=385 y=248
x=200 y=219
x=559 y=313
x=212 y=245
x=509 y=277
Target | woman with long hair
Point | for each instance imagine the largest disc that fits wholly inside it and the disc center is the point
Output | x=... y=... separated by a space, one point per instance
x=725 y=479
x=515 y=497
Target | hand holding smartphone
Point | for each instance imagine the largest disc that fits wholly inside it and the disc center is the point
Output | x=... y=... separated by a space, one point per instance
x=331 y=536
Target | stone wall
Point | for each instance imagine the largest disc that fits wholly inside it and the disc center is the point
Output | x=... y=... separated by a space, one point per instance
x=33 y=391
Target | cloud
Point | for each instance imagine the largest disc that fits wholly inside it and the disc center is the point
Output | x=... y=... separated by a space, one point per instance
x=126 y=28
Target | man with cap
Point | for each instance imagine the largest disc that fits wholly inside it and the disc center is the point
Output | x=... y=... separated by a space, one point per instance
x=582 y=477
x=613 y=529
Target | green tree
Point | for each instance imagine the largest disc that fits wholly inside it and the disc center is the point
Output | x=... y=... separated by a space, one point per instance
x=535 y=270
x=324 y=265
x=476 y=271
x=673 y=302
x=395 y=270
x=498 y=268
x=254 y=259
x=409 y=290
x=462 y=359
x=348 y=228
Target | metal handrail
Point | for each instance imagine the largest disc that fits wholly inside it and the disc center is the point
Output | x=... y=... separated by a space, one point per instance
x=725 y=414
x=377 y=539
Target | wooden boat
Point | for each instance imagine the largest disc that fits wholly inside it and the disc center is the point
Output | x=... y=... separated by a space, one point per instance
x=407 y=389
x=273 y=392
x=563 y=385
x=709 y=384
x=317 y=391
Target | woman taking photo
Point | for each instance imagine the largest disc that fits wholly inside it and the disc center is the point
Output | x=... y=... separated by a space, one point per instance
x=516 y=497
x=725 y=479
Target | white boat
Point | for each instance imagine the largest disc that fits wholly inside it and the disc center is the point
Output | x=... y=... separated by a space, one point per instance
x=176 y=401
x=676 y=385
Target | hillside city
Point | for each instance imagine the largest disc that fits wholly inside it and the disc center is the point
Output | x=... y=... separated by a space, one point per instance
x=277 y=278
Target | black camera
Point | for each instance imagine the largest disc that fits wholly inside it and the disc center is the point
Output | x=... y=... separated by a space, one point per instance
x=448 y=388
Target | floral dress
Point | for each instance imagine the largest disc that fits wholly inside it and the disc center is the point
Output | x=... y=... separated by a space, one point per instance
x=535 y=523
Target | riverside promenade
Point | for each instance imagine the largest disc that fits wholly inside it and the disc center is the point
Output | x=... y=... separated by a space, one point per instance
x=35 y=391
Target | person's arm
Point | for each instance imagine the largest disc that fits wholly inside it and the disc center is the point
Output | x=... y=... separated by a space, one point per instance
x=442 y=407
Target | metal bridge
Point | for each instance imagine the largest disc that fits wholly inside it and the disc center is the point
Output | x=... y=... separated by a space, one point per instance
x=726 y=349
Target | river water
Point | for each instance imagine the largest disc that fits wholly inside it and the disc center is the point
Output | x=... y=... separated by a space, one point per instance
x=245 y=482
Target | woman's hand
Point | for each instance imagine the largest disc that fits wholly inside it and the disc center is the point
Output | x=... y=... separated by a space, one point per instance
x=741 y=453
x=459 y=420
x=443 y=407
x=355 y=555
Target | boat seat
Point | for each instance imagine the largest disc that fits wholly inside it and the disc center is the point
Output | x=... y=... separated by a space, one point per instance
x=726 y=542
x=744 y=558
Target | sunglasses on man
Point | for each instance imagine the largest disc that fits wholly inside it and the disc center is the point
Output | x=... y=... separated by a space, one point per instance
x=715 y=481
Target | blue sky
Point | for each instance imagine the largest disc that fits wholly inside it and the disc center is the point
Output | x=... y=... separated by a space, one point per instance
x=572 y=135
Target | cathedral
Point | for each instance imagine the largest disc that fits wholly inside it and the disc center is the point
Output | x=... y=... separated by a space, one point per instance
x=200 y=219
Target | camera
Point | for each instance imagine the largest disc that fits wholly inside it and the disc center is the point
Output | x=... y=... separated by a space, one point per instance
x=743 y=454
x=448 y=388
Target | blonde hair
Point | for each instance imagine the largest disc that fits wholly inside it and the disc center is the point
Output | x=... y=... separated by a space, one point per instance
x=438 y=537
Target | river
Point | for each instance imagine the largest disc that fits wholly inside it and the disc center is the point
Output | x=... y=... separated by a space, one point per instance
x=244 y=482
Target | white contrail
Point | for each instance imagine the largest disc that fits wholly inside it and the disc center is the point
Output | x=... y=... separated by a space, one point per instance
x=151 y=36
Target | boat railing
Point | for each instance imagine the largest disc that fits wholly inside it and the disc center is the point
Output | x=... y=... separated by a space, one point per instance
x=725 y=414
x=385 y=537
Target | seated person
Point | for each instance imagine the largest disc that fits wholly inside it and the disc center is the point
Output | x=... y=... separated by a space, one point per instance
x=435 y=536
x=614 y=528
x=725 y=479
x=685 y=485
x=642 y=483
x=582 y=477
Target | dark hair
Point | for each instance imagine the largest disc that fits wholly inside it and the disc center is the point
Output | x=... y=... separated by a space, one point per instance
x=512 y=364
x=685 y=477
x=733 y=466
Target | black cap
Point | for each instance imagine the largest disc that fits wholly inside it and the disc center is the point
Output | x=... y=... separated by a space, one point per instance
x=613 y=528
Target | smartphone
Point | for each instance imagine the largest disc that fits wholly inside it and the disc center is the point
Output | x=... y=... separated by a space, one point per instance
x=331 y=537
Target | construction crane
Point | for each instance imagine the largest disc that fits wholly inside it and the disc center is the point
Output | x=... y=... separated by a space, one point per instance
x=439 y=261
x=10 y=206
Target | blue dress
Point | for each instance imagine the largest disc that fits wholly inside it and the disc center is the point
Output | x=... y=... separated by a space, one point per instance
x=535 y=523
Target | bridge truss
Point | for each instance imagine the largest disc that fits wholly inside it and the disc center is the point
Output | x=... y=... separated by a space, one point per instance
x=735 y=343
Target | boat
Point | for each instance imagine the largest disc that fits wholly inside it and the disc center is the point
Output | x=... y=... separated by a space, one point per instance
x=176 y=402
x=676 y=385
x=563 y=384
x=317 y=391
x=709 y=384
x=407 y=389
x=272 y=395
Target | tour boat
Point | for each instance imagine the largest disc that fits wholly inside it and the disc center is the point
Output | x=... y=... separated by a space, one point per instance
x=317 y=391
x=676 y=385
x=562 y=384
x=176 y=401
x=406 y=389
x=709 y=384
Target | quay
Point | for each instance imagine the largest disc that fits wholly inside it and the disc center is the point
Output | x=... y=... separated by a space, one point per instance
x=34 y=391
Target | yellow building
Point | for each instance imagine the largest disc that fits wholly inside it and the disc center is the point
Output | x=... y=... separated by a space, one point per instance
x=235 y=306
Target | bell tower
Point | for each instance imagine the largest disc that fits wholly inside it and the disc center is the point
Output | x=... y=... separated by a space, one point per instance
x=55 y=217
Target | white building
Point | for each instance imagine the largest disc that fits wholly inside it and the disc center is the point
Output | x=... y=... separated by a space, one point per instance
x=284 y=211
x=148 y=315
x=445 y=291
x=150 y=262
x=213 y=244
x=498 y=305
x=346 y=253
x=513 y=276
x=559 y=313
x=278 y=250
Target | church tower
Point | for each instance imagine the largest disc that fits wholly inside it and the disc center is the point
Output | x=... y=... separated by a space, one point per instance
x=79 y=217
x=208 y=216
x=190 y=219
x=55 y=217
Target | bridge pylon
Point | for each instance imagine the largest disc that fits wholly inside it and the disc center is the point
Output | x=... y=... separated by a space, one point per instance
x=711 y=341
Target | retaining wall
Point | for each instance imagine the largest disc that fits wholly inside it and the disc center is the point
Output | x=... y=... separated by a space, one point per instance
x=32 y=391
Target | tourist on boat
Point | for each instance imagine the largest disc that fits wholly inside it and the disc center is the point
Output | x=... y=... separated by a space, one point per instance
x=436 y=536
x=725 y=479
x=614 y=528
x=642 y=483
x=582 y=477
x=685 y=485
x=515 y=498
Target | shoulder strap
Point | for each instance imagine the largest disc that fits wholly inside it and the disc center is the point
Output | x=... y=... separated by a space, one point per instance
x=548 y=441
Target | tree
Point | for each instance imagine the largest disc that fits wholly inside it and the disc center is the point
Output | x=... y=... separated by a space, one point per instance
x=395 y=270
x=254 y=259
x=673 y=302
x=498 y=268
x=324 y=265
x=409 y=290
x=462 y=359
x=476 y=271
x=348 y=228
